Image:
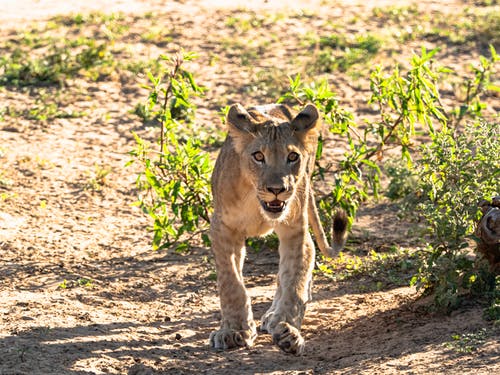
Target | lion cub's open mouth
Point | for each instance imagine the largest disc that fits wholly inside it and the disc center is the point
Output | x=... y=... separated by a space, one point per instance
x=274 y=206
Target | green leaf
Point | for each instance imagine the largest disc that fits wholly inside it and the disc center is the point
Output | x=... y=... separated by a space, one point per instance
x=492 y=87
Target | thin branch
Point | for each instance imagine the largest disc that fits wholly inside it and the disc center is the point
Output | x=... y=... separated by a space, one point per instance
x=168 y=94
x=386 y=138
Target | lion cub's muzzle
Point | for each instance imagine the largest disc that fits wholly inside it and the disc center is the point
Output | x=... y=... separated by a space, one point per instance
x=275 y=205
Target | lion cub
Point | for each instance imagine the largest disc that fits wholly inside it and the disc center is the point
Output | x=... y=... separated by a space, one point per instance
x=261 y=183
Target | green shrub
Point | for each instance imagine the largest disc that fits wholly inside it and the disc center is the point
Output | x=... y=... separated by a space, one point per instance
x=174 y=181
x=450 y=176
x=403 y=101
x=456 y=171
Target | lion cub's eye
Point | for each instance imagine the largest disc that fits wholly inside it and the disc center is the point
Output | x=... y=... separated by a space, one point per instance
x=258 y=157
x=292 y=157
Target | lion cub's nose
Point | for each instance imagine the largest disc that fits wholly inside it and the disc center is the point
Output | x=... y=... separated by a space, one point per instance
x=276 y=190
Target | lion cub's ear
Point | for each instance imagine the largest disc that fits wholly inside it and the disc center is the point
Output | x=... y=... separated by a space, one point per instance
x=306 y=126
x=306 y=119
x=241 y=126
x=239 y=119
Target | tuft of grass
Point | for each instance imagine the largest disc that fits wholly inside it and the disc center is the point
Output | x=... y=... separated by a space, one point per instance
x=141 y=67
x=46 y=107
x=382 y=269
x=479 y=29
x=158 y=35
x=339 y=52
x=56 y=63
x=484 y=29
x=111 y=25
x=400 y=15
x=270 y=82
x=244 y=22
x=97 y=178
x=247 y=51
x=5 y=182
x=79 y=282
x=492 y=312
x=467 y=343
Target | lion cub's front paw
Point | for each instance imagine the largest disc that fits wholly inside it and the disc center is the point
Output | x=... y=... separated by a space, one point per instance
x=288 y=338
x=265 y=322
x=226 y=338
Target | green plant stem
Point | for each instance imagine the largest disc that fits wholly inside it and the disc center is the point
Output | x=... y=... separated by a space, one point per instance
x=177 y=59
x=382 y=143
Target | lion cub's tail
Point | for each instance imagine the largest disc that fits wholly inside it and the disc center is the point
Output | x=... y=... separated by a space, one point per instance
x=339 y=232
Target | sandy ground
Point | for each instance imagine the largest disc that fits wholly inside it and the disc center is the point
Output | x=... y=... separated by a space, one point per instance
x=147 y=312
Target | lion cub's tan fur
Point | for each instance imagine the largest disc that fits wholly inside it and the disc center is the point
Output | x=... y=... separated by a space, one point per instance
x=261 y=183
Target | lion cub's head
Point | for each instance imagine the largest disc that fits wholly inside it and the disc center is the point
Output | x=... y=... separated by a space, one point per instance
x=277 y=150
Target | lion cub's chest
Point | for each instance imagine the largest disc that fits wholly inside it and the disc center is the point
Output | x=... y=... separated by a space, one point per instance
x=245 y=216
